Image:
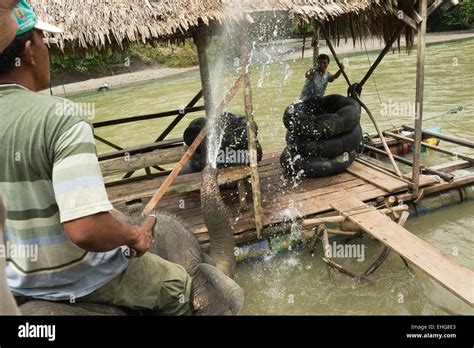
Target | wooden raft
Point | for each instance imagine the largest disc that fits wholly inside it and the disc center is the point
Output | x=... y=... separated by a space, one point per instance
x=283 y=197
x=457 y=279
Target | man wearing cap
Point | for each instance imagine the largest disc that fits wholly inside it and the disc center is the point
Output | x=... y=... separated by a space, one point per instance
x=58 y=208
x=7 y=23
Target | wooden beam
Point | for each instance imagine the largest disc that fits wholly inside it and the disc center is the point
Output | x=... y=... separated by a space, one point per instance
x=200 y=39
x=141 y=149
x=434 y=6
x=431 y=147
x=420 y=87
x=405 y=18
x=252 y=139
x=178 y=119
x=146 y=117
x=455 y=278
x=140 y=161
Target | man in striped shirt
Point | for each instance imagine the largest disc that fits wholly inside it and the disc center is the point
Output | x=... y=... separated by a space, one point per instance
x=57 y=205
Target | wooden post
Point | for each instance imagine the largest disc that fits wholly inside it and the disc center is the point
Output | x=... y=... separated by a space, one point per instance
x=315 y=42
x=200 y=39
x=420 y=85
x=252 y=139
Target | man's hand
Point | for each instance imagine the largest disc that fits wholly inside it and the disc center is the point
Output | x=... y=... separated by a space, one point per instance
x=143 y=240
x=7 y=23
x=310 y=73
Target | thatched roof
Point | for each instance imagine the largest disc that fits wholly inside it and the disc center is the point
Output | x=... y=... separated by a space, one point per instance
x=98 y=23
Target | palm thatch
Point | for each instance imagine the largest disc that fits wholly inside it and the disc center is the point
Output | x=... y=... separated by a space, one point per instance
x=98 y=23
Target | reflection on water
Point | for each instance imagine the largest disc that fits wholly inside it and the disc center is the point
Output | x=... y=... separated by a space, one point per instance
x=297 y=283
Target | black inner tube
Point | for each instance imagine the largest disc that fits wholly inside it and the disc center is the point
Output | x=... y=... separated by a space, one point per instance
x=315 y=167
x=322 y=117
x=332 y=147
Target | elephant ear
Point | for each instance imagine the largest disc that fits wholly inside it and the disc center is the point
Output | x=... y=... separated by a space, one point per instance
x=173 y=242
x=214 y=293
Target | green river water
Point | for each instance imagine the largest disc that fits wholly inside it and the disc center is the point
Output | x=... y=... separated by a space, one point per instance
x=297 y=283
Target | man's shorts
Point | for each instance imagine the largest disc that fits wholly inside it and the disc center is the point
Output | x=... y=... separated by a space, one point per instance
x=148 y=283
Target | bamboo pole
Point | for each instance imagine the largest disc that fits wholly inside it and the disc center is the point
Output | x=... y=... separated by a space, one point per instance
x=431 y=147
x=426 y=170
x=420 y=85
x=382 y=138
x=252 y=139
x=333 y=51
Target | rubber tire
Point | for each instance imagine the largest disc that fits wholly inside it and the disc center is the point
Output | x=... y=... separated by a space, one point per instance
x=322 y=118
x=315 y=167
x=329 y=148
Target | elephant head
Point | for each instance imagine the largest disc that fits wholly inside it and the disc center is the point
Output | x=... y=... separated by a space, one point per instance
x=214 y=292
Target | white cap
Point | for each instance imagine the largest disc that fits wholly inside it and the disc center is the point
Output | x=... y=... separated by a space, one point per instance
x=47 y=27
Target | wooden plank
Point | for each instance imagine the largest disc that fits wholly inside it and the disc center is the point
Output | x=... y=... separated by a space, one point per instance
x=377 y=178
x=452 y=166
x=186 y=184
x=141 y=149
x=140 y=161
x=457 y=279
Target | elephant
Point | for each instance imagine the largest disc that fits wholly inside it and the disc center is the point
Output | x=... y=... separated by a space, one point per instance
x=214 y=292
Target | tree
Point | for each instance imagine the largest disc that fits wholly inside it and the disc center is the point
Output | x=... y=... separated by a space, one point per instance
x=461 y=16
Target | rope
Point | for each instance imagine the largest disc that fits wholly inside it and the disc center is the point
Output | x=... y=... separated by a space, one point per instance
x=454 y=110
x=375 y=84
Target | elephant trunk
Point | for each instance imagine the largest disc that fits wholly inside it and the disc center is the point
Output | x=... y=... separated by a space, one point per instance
x=221 y=232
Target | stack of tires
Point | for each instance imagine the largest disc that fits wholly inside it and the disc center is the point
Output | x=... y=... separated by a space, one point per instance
x=233 y=149
x=323 y=136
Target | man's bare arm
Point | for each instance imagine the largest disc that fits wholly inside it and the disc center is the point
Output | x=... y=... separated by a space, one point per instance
x=7 y=23
x=102 y=232
x=336 y=75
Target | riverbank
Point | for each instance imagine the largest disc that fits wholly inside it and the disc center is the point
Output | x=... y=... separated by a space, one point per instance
x=287 y=49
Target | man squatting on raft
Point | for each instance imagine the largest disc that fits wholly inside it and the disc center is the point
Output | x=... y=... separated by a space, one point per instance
x=52 y=183
x=317 y=79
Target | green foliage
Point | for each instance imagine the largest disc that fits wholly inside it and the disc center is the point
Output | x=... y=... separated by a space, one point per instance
x=97 y=62
x=462 y=15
